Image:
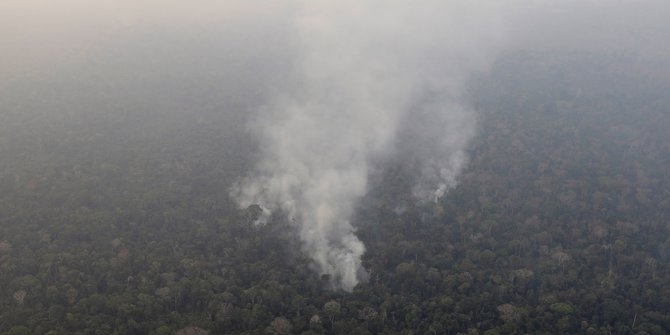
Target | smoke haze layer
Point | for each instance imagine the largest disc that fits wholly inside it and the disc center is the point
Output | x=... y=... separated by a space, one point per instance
x=373 y=80
x=340 y=84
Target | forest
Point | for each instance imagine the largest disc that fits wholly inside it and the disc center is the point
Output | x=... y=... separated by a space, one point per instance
x=113 y=224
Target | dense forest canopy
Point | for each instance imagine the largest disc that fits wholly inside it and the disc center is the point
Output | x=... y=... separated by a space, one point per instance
x=117 y=216
x=559 y=222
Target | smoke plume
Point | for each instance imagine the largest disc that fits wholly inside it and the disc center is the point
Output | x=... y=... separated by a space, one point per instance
x=373 y=79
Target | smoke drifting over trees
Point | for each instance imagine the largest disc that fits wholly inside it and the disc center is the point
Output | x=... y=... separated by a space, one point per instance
x=371 y=80
x=461 y=166
x=327 y=90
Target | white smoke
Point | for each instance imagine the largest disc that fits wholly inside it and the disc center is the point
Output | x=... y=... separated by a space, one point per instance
x=432 y=141
x=374 y=78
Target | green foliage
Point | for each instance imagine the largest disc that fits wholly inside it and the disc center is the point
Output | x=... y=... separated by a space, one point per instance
x=562 y=308
x=19 y=330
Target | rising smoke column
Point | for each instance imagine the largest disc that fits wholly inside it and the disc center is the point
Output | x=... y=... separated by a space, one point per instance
x=432 y=141
x=364 y=68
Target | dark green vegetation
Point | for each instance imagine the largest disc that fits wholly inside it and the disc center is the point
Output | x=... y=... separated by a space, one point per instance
x=559 y=224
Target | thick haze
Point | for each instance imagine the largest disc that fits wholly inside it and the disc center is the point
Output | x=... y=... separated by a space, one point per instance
x=324 y=88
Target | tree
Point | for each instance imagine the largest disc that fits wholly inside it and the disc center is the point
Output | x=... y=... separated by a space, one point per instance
x=331 y=309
